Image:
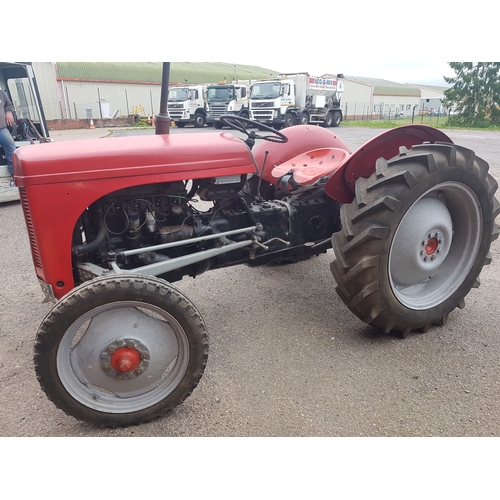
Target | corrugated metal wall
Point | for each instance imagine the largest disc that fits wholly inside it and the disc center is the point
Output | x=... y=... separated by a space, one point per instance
x=69 y=89
x=122 y=99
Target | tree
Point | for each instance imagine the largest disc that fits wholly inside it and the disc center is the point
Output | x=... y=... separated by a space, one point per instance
x=475 y=94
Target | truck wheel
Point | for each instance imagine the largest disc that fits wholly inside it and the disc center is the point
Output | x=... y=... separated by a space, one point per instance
x=415 y=238
x=304 y=118
x=336 y=119
x=199 y=120
x=218 y=125
x=290 y=120
x=180 y=124
x=121 y=350
x=329 y=119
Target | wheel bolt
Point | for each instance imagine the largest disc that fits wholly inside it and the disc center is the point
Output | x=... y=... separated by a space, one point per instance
x=111 y=349
x=106 y=367
x=130 y=344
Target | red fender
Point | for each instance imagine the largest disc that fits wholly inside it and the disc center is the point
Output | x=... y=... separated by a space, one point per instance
x=341 y=184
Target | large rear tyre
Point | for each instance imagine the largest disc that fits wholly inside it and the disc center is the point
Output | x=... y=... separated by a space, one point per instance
x=415 y=238
x=121 y=350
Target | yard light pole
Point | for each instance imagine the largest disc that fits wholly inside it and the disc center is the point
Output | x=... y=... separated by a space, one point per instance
x=163 y=120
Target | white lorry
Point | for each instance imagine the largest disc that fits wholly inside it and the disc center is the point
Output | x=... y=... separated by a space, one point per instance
x=188 y=104
x=226 y=99
x=297 y=99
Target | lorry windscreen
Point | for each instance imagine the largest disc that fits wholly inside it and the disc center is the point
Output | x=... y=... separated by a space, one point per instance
x=220 y=94
x=267 y=90
x=178 y=94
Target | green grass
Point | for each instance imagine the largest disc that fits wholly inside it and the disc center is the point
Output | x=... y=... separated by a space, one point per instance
x=431 y=121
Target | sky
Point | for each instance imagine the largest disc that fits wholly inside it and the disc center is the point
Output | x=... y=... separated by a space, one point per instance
x=404 y=43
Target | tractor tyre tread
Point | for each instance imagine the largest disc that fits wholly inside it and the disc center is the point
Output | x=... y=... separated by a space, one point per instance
x=370 y=221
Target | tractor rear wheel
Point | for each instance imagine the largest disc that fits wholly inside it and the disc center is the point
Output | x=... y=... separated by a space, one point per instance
x=415 y=238
x=121 y=350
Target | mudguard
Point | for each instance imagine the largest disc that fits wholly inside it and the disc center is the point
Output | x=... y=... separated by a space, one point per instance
x=341 y=184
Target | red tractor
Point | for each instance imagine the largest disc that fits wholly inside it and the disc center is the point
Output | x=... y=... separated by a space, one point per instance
x=112 y=223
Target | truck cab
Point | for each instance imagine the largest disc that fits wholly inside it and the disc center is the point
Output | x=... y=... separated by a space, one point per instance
x=187 y=104
x=268 y=97
x=226 y=99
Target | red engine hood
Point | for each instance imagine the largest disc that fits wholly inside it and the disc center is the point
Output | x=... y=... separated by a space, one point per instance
x=172 y=157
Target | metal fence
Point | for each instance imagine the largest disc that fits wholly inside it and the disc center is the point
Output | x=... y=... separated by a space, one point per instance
x=365 y=111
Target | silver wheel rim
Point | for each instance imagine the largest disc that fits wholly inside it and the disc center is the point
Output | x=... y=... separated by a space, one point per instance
x=81 y=354
x=435 y=245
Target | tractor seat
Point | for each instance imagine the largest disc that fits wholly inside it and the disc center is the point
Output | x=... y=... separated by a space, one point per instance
x=308 y=167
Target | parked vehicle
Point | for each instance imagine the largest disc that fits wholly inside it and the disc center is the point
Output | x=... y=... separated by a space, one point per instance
x=112 y=224
x=188 y=104
x=297 y=99
x=226 y=99
x=18 y=81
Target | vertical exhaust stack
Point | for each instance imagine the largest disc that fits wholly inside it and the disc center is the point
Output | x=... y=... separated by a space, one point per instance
x=163 y=120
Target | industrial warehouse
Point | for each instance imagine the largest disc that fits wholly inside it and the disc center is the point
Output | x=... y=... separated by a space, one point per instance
x=112 y=92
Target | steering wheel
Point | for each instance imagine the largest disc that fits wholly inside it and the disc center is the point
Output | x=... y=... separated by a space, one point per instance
x=240 y=123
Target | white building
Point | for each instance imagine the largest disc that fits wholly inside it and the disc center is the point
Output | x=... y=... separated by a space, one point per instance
x=374 y=98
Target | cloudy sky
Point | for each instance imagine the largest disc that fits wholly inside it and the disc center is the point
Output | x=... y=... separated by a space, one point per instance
x=386 y=39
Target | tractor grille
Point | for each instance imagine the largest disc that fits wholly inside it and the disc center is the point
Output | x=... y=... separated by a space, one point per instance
x=31 y=232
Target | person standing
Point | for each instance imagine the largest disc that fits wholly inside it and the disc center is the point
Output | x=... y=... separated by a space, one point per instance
x=6 y=140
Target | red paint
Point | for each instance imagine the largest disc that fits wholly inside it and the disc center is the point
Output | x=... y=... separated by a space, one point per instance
x=125 y=360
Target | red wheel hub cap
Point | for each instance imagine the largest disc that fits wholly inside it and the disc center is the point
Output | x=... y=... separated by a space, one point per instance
x=431 y=246
x=125 y=359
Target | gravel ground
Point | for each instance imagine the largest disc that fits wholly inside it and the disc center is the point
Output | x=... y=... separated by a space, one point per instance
x=287 y=358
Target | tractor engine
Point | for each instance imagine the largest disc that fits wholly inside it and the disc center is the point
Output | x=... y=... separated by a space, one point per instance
x=148 y=224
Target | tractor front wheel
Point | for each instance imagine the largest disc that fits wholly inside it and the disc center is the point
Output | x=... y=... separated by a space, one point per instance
x=415 y=238
x=121 y=350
